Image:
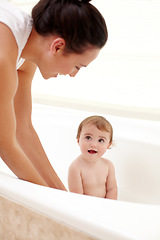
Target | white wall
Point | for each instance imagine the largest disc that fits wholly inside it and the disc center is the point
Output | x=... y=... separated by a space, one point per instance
x=127 y=72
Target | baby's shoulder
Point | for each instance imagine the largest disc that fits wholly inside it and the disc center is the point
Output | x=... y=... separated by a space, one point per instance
x=107 y=162
x=75 y=162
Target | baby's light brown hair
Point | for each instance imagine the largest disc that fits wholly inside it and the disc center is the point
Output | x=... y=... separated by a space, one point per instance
x=100 y=122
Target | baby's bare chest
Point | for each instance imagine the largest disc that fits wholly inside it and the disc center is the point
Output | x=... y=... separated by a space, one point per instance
x=94 y=176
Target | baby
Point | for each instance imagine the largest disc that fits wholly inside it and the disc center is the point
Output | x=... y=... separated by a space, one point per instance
x=89 y=173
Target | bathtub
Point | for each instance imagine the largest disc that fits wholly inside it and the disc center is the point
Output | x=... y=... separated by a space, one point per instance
x=29 y=211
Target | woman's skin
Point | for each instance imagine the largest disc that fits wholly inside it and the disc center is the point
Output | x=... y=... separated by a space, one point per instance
x=20 y=147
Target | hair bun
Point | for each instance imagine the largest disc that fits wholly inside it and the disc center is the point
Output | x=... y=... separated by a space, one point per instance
x=84 y=1
x=78 y=1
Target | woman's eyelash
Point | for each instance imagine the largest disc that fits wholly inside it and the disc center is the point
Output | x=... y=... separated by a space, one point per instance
x=77 y=67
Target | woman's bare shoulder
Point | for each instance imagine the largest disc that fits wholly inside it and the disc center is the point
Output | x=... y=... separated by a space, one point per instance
x=8 y=45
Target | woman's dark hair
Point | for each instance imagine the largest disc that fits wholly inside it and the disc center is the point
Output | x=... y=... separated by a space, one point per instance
x=78 y=22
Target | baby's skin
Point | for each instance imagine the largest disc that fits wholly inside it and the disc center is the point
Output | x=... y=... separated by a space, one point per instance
x=89 y=173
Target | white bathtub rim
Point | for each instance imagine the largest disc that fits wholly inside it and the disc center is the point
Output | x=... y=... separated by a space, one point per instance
x=21 y=192
x=60 y=214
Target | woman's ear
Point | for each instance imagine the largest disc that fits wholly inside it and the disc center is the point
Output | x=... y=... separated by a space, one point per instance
x=57 y=45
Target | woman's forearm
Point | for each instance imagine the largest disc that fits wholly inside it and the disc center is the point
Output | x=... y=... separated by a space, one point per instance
x=19 y=163
x=38 y=157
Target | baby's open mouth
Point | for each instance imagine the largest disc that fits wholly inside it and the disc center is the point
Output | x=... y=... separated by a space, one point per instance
x=92 y=151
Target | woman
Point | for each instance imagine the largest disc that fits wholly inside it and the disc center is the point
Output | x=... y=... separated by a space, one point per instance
x=61 y=37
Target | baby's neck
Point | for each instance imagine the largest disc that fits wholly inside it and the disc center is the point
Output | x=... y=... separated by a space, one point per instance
x=90 y=161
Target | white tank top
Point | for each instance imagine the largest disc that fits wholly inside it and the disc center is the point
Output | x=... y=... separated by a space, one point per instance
x=20 y=24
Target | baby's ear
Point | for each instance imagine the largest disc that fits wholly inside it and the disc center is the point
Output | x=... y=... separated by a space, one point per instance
x=109 y=145
x=78 y=140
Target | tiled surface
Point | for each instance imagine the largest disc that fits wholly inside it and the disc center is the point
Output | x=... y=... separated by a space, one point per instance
x=20 y=223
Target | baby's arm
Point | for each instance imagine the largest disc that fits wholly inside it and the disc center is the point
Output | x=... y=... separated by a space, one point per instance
x=111 y=188
x=74 y=178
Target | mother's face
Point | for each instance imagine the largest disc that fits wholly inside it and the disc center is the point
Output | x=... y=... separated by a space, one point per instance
x=56 y=62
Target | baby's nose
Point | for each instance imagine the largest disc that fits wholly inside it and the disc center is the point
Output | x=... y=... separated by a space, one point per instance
x=93 y=144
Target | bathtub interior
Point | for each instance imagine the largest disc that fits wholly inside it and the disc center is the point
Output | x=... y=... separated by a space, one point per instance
x=135 y=154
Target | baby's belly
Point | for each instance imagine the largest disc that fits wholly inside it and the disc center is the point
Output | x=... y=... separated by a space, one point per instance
x=95 y=190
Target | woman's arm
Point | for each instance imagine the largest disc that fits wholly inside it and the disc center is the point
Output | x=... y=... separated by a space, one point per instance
x=21 y=151
x=10 y=150
x=26 y=135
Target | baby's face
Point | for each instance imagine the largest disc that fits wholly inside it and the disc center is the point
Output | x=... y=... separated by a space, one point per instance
x=93 y=142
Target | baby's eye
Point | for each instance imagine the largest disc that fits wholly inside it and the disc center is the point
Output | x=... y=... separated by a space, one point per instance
x=88 y=137
x=101 y=140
